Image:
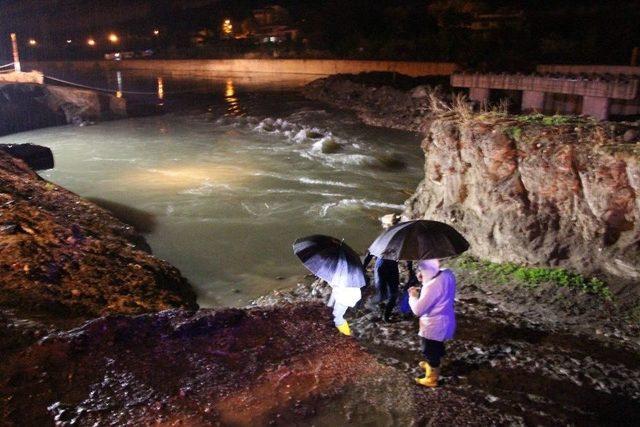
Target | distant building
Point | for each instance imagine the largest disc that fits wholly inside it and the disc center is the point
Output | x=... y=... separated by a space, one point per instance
x=494 y=21
x=272 y=25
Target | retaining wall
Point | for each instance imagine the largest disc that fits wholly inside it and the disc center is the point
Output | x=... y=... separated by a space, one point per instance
x=309 y=67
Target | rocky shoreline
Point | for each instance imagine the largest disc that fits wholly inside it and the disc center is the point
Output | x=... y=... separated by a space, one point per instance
x=96 y=331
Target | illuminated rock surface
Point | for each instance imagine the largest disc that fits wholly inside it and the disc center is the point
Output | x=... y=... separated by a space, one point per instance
x=563 y=194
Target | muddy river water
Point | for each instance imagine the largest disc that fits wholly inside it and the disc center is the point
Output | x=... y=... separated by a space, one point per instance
x=231 y=173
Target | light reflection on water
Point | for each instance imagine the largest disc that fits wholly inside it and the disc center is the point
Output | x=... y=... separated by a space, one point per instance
x=232 y=174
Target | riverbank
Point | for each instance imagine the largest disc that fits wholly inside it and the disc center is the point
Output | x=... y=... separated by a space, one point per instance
x=27 y=106
x=62 y=257
x=533 y=346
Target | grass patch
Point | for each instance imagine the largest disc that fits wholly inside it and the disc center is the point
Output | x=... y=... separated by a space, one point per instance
x=555 y=120
x=531 y=277
x=634 y=314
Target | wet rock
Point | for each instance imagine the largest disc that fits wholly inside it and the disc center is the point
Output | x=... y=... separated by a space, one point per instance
x=389 y=220
x=35 y=156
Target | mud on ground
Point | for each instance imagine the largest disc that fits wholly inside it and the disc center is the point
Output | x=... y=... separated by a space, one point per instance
x=533 y=363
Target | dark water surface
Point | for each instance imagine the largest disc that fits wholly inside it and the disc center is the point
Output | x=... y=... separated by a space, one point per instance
x=232 y=172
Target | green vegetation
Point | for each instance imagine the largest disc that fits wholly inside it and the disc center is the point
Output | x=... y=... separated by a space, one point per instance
x=634 y=313
x=514 y=132
x=533 y=276
x=555 y=120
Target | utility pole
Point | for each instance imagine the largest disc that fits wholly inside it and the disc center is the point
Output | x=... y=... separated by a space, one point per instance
x=16 y=57
x=634 y=56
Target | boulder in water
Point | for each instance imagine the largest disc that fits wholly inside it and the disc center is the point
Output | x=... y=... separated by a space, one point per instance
x=327 y=145
x=36 y=157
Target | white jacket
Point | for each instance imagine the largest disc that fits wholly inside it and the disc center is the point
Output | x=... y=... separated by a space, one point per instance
x=347 y=297
x=435 y=307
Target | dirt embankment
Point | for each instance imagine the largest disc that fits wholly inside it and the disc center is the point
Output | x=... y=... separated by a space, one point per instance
x=63 y=257
x=379 y=99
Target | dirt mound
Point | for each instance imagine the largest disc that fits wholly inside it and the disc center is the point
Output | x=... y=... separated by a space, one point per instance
x=62 y=255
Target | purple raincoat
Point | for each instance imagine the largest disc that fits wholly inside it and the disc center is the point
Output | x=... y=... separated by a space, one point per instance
x=435 y=307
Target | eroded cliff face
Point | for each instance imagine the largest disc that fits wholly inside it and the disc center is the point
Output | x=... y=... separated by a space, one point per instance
x=531 y=192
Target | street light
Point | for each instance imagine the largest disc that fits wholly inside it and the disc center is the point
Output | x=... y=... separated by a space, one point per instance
x=69 y=41
x=227 y=27
x=91 y=41
x=32 y=42
x=156 y=32
x=113 y=38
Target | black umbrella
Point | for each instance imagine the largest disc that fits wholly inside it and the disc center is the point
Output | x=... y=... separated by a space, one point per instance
x=419 y=239
x=331 y=260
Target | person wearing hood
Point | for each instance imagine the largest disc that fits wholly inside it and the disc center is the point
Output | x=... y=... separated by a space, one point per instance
x=434 y=305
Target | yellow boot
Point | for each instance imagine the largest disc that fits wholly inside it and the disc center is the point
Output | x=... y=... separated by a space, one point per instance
x=431 y=375
x=344 y=329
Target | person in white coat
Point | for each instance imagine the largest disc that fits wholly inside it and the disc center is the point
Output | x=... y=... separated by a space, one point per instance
x=341 y=299
x=434 y=305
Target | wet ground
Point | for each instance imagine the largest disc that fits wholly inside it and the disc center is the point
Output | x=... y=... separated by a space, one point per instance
x=520 y=369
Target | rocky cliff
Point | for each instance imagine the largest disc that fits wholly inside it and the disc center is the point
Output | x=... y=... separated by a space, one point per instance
x=62 y=255
x=530 y=190
x=552 y=191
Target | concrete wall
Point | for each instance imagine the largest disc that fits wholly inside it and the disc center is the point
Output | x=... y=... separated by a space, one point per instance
x=310 y=67
x=21 y=77
x=588 y=69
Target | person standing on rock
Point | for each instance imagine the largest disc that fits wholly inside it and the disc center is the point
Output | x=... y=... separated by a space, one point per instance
x=434 y=305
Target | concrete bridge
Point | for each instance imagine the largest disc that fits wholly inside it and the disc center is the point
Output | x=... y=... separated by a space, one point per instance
x=596 y=95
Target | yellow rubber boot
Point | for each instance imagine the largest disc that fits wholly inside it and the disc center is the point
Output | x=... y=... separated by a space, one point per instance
x=344 y=329
x=431 y=375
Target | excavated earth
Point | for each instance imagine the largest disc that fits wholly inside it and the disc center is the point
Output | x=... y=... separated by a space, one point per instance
x=520 y=357
x=65 y=258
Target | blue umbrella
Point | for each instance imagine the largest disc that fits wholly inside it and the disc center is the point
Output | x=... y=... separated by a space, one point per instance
x=419 y=239
x=331 y=260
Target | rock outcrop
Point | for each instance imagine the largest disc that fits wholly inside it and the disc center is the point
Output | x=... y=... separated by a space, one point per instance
x=530 y=191
x=61 y=255
x=36 y=157
x=25 y=106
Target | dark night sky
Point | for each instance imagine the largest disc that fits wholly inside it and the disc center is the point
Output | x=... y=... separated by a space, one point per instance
x=552 y=31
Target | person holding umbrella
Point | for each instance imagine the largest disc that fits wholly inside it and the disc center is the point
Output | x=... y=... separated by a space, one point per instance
x=336 y=263
x=427 y=241
x=434 y=305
